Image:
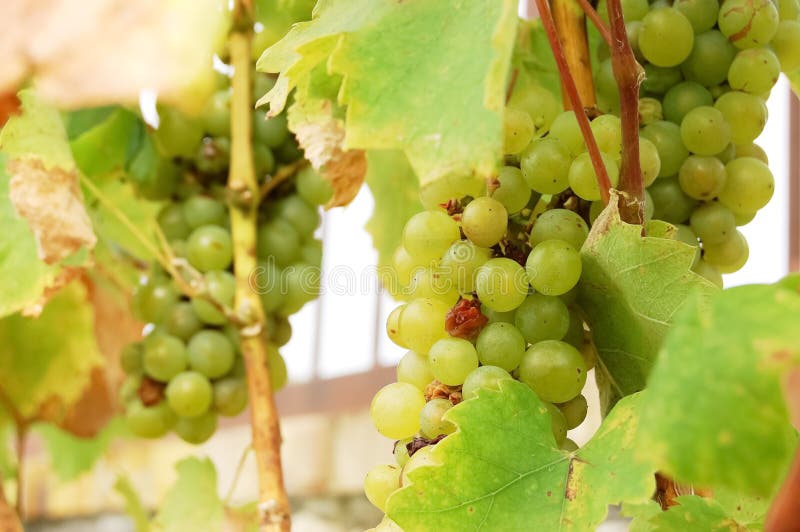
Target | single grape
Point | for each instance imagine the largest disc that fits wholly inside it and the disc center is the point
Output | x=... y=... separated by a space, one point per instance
x=414 y=369
x=177 y=134
x=517 y=130
x=605 y=84
x=484 y=221
x=421 y=324
x=278 y=375
x=686 y=235
x=558 y=423
x=213 y=155
x=569 y=446
x=164 y=356
x=709 y=272
x=671 y=152
x=153 y=299
x=575 y=333
x=131 y=358
x=172 y=222
x=702 y=14
x=202 y=210
x=658 y=80
x=501 y=284
x=421 y=458
x=395 y=410
x=452 y=359
x=197 y=430
x=754 y=70
x=461 y=262
x=301 y=284
x=263 y=160
x=432 y=195
x=748 y=23
x=182 y=321
x=650 y=110
x=565 y=129
x=704 y=131
x=540 y=104
x=311 y=253
x=401 y=451
x=749 y=186
x=545 y=166
x=279 y=241
x=583 y=179
x=713 y=223
x=649 y=161
x=380 y=482
x=684 y=97
x=210 y=353
x=752 y=150
x=559 y=224
x=269 y=282
x=744 y=219
x=786 y=45
x=554 y=370
x=745 y=113
x=217 y=114
x=431 y=420
x=542 y=317
x=270 y=131
x=434 y=283
x=497 y=317
x=553 y=267
x=788 y=9
x=666 y=37
x=702 y=178
x=149 y=421
x=300 y=214
x=312 y=187
x=500 y=344
x=669 y=201
x=393 y=326
x=189 y=394
x=220 y=286
x=428 y=234
x=607 y=130
x=729 y=255
x=210 y=248
x=483 y=378
x=574 y=411
x=710 y=59
x=512 y=190
x=230 y=396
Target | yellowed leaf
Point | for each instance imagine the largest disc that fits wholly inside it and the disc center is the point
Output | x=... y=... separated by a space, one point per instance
x=9 y=522
x=52 y=203
x=345 y=171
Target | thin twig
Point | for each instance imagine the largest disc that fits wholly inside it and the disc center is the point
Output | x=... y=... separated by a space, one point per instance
x=571 y=89
x=237 y=475
x=511 y=83
x=283 y=173
x=598 y=22
x=22 y=433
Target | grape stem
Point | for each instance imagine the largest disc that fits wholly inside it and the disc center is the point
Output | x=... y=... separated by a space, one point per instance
x=591 y=12
x=571 y=28
x=283 y=173
x=274 y=512
x=628 y=75
x=571 y=90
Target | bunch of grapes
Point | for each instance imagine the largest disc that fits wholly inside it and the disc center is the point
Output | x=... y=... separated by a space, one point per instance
x=188 y=370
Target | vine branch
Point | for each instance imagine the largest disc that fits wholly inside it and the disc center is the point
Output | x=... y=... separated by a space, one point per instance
x=245 y=195
x=571 y=28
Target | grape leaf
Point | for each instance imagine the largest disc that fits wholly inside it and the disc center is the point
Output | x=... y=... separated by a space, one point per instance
x=38 y=354
x=501 y=470
x=724 y=513
x=438 y=70
x=107 y=145
x=630 y=289
x=133 y=503
x=192 y=503
x=394 y=187
x=717 y=415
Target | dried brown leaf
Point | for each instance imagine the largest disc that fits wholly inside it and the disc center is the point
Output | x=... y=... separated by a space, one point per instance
x=9 y=522
x=345 y=171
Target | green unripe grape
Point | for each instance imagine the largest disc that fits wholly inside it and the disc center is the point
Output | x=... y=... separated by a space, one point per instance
x=153 y=299
x=278 y=374
x=558 y=423
x=786 y=45
x=164 y=356
x=177 y=134
x=434 y=283
x=754 y=70
x=270 y=131
x=649 y=161
x=421 y=458
x=395 y=410
x=729 y=255
x=393 y=326
x=752 y=150
x=497 y=317
x=713 y=223
x=483 y=378
x=312 y=187
x=154 y=181
x=666 y=37
x=553 y=267
x=658 y=79
x=704 y=131
x=282 y=333
x=269 y=282
x=684 y=97
x=311 y=253
x=230 y=396
x=220 y=286
x=513 y=192
x=745 y=113
x=300 y=214
x=403 y=268
x=517 y=130
x=182 y=321
x=210 y=353
x=380 y=482
x=749 y=186
x=554 y=370
x=461 y=262
x=189 y=394
x=149 y=421
x=414 y=369
x=202 y=210
x=431 y=423
x=421 y=324
x=701 y=14
x=671 y=152
x=197 y=430
x=650 y=110
x=583 y=179
x=574 y=411
x=788 y=9
x=709 y=272
x=574 y=335
x=172 y=222
x=131 y=357
x=702 y=178
x=500 y=344
x=217 y=114
x=559 y=224
x=401 y=451
x=302 y=284
x=686 y=235
x=669 y=202
x=501 y=284
x=428 y=234
x=213 y=155
x=569 y=446
x=748 y=23
x=484 y=221
x=278 y=240
x=710 y=59
x=210 y=248
x=605 y=84
x=565 y=128
x=607 y=130
x=129 y=390
x=540 y=104
x=452 y=359
x=542 y=317
x=432 y=195
x=744 y=219
x=545 y=166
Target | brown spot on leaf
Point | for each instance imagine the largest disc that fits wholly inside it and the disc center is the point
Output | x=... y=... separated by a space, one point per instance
x=345 y=172
x=571 y=490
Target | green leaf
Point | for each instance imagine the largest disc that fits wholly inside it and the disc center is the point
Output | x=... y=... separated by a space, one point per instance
x=630 y=289
x=717 y=416
x=438 y=70
x=502 y=471
x=37 y=132
x=71 y=456
x=105 y=146
x=192 y=503
x=394 y=187
x=533 y=58
x=700 y=513
x=49 y=357
x=133 y=503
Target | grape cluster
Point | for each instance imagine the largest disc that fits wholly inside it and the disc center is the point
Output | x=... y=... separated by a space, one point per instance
x=188 y=369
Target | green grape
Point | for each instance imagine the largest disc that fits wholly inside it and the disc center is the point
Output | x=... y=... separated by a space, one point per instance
x=217 y=114
x=553 y=267
x=380 y=482
x=542 y=317
x=671 y=152
x=129 y=390
x=434 y=283
x=666 y=37
x=149 y=421
x=452 y=359
x=729 y=255
x=153 y=299
x=289 y=151
x=710 y=59
x=278 y=240
x=660 y=229
x=278 y=374
x=702 y=14
x=631 y=9
x=649 y=208
x=554 y=370
x=177 y=134
x=401 y=451
x=752 y=150
x=461 y=262
x=269 y=282
x=713 y=223
x=395 y=410
x=702 y=178
x=517 y=130
x=131 y=358
x=704 y=131
x=513 y=192
x=583 y=179
x=440 y=191
x=197 y=430
x=431 y=423
x=154 y=180
x=754 y=70
x=605 y=83
x=414 y=369
x=500 y=344
x=559 y=224
x=202 y=210
x=540 y=104
x=569 y=446
x=607 y=131
x=749 y=186
x=574 y=411
x=269 y=131
x=744 y=219
x=709 y=272
x=393 y=326
x=745 y=113
x=210 y=353
x=574 y=335
x=545 y=164
x=497 y=317
x=189 y=394
x=658 y=80
x=633 y=29
x=501 y=284
x=650 y=110
x=421 y=458
x=300 y=214
x=786 y=45
x=263 y=160
x=421 y=324
x=230 y=396
x=220 y=286
x=312 y=187
x=669 y=202
x=182 y=321
x=483 y=378
x=282 y=333
x=565 y=128
x=484 y=221
x=684 y=97
x=428 y=234
x=649 y=161
x=558 y=423
x=686 y=235
x=213 y=155
x=302 y=284
x=748 y=23
x=164 y=356
x=209 y=248
x=311 y=253
x=403 y=267
x=172 y=222
x=788 y=9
